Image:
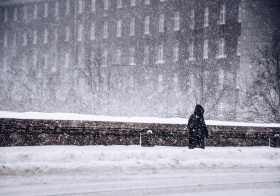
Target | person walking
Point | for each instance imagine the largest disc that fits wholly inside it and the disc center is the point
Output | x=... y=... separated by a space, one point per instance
x=197 y=128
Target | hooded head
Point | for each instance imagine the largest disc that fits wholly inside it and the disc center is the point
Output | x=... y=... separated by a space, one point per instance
x=199 y=111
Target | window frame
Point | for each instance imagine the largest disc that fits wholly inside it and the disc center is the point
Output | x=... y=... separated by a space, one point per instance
x=160 y=55
x=177 y=21
x=132 y=27
x=67 y=33
x=24 y=43
x=205 y=49
x=192 y=22
x=119 y=28
x=6 y=15
x=176 y=52
x=221 y=48
x=105 y=29
x=46 y=10
x=206 y=17
x=92 y=31
x=132 y=56
x=67 y=7
x=161 y=23
x=147 y=25
x=56 y=9
x=25 y=12
x=92 y=5
x=222 y=14
x=80 y=32
x=46 y=34
x=15 y=14
x=106 y=4
x=191 y=51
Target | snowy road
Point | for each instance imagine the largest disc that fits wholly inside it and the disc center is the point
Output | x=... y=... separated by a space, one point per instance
x=257 y=181
x=164 y=171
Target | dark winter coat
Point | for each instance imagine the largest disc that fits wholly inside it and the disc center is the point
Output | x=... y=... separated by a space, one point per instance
x=197 y=128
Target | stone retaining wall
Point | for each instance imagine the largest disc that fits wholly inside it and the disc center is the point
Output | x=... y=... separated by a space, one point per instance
x=24 y=132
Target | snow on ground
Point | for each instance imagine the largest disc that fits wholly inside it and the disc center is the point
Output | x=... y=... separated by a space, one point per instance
x=135 y=170
x=72 y=116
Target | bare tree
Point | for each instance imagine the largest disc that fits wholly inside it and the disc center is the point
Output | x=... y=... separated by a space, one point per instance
x=91 y=73
x=263 y=96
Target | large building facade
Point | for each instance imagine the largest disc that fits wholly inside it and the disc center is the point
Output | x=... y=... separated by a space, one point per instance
x=121 y=57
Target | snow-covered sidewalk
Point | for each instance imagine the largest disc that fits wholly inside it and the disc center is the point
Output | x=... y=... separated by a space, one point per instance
x=22 y=160
x=135 y=170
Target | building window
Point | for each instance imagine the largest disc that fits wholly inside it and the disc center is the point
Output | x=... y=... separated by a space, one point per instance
x=5 y=39
x=92 y=31
x=105 y=57
x=67 y=7
x=176 y=52
x=176 y=22
x=46 y=10
x=118 y=56
x=80 y=7
x=105 y=29
x=146 y=55
x=238 y=46
x=132 y=27
x=5 y=64
x=54 y=63
x=80 y=32
x=15 y=39
x=45 y=61
x=133 y=2
x=93 y=5
x=56 y=8
x=5 y=15
x=25 y=12
x=239 y=12
x=205 y=49
x=191 y=51
x=46 y=36
x=206 y=17
x=35 y=11
x=119 y=28
x=66 y=59
x=67 y=33
x=147 y=24
x=160 y=54
x=221 y=78
x=147 y=2
x=55 y=36
x=192 y=20
x=221 y=48
x=161 y=23
x=24 y=43
x=223 y=14
x=15 y=14
x=119 y=4
x=35 y=37
x=132 y=56
x=162 y=0
x=106 y=4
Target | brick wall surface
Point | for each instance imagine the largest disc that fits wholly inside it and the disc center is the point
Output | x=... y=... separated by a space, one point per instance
x=24 y=132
